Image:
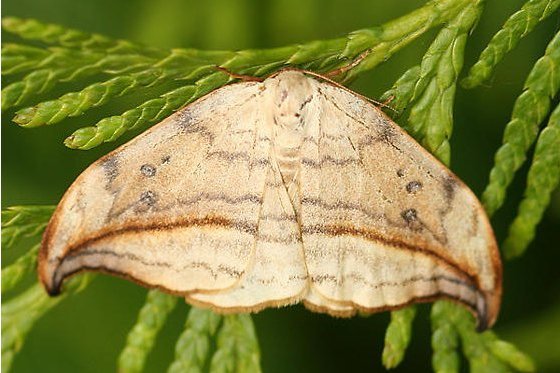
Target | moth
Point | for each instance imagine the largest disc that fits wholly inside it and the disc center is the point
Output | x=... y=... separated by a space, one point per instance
x=270 y=193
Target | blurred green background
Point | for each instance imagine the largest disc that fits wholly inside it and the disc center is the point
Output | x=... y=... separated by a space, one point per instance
x=86 y=332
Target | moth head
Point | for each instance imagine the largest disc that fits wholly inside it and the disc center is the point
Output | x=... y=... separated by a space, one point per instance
x=292 y=92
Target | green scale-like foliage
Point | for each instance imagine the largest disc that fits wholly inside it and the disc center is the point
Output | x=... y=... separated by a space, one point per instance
x=529 y=111
x=196 y=68
x=141 y=338
x=542 y=179
x=216 y=343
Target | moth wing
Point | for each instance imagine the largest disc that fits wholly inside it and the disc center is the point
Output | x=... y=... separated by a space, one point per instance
x=175 y=208
x=277 y=275
x=385 y=224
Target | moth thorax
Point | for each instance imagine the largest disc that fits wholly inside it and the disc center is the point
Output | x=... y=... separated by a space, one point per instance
x=292 y=93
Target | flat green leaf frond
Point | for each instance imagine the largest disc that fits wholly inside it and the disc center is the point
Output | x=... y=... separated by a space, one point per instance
x=485 y=352
x=76 y=103
x=245 y=61
x=179 y=64
x=319 y=55
x=237 y=346
x=380 y=43
x=70 y=66
x=193 y=346
x=315 y=51
x=142 y=336
x=17 y=58
x=383 y=41
x=32 y=29
x=514 y=29
x=434 y=13
x=23 y=221
x=530 y=109
x=19 y=314
x=322 y=56
x=445 y=340
x=510 y=354
x=16 y=272
x=431 y=117
x=542 y=179
x=36 y=82
x=109 y=129
x=397 y=336
x=402 y=91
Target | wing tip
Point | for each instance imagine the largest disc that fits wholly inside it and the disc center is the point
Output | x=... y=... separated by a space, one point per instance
x=52 y=287
x=52 y=290
x=47 y=278
x=44 y=269
x=487 y=316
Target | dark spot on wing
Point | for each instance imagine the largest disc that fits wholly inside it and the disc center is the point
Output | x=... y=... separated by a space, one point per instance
x=409 y=215
x=148 y=198
x=413 y=186
x=283 y=96
x=111 y=168
x=386 y=133
x=184 y=118
x=148 y=170
x=166 y=159
x=449 y=184
x=400 y=172
x=187 y=124
x=474 y=222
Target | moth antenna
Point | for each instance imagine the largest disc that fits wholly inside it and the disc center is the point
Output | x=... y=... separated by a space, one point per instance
x=246 y=78
x=326 y=77
x=384 y=104
x=351 y=65
x=343 y=69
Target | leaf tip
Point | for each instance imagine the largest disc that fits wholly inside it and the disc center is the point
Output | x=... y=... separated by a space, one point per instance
x=83 y=139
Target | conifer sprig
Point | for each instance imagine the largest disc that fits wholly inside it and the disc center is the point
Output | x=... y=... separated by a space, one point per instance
x=15 y=273
x=142 y=336
x=23 y=221
x=52 y=34
x=19 y=314
x=530 y=109
x=193 y=347
x=431 y=117
x=379 y=43
x=519 y=25
x=397 y=336
x=542 y=179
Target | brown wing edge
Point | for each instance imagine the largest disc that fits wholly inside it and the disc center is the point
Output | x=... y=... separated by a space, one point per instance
x=53 y=282
x=484 y=312
x=480 y=314
x=42 y=259
x=50 y=286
